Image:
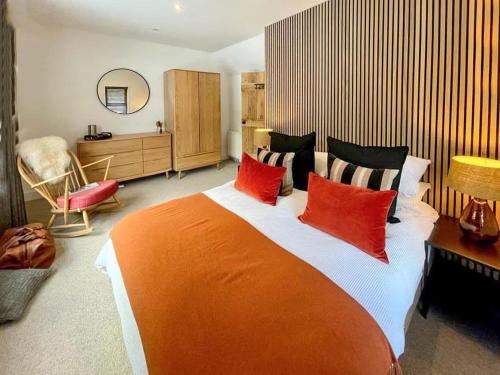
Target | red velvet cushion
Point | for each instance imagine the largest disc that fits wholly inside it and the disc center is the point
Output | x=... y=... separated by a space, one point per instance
x=86 y=198
x=259 y=180
x=353 y=214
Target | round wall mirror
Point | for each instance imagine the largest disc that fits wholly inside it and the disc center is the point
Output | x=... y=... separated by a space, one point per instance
x=123 y=91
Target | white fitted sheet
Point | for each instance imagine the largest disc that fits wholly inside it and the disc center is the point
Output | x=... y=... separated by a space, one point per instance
x=386 y=291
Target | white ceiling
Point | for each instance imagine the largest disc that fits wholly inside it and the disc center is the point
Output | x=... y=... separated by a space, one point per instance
x=199 y=24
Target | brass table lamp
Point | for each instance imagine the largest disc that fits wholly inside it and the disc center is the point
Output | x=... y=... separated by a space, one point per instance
x=479 y=178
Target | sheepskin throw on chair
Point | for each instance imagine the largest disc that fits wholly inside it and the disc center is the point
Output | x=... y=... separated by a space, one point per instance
x=46 y=156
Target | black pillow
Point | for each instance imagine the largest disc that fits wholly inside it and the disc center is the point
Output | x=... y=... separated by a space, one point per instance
x=303 y=161
x=372 y=157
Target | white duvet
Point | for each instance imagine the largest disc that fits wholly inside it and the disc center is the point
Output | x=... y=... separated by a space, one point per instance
x=386 y=291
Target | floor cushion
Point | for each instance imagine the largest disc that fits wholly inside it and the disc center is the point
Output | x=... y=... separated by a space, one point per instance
x=90 y=194
x=17 y=287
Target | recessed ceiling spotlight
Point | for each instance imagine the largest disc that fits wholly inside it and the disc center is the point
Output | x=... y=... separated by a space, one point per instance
x=156 y=29
x=178 y=7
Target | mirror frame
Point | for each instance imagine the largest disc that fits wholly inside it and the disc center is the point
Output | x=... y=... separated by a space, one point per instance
x=131 y=70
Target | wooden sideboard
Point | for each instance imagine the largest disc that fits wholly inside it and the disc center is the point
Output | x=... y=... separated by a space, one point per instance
x=135 y=155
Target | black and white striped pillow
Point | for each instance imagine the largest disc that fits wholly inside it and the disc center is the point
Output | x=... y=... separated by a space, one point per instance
x=352 y=174
x=279 y=159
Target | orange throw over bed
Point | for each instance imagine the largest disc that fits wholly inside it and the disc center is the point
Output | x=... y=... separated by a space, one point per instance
x=212 y=295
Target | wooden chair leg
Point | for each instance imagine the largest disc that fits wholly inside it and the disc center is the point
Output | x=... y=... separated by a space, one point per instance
x=51 y=221
x=66 y=200
x=115 y=198
x=86 y=219
x=69 y=230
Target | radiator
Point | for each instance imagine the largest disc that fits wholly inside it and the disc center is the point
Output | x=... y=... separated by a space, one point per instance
x=234 y=144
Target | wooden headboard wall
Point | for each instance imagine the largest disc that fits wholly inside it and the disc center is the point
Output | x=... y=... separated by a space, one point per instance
x=391 y=72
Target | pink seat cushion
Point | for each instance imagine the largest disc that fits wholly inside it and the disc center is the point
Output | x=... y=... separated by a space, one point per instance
x=86 y=198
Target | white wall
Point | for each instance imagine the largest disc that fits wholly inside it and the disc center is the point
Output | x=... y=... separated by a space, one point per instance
x=246 y=56
x=59 y=67
x=58 y=70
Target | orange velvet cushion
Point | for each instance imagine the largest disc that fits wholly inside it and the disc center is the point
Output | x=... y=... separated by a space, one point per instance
x=259 y=180
x=353 y=214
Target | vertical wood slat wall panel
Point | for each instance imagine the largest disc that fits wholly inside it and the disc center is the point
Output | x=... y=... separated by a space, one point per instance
x=421 y=73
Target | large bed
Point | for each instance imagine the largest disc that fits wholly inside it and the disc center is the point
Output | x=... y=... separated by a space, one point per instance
x=386 y=291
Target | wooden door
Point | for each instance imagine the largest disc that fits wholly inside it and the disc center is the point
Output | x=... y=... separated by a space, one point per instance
x=187 y=116
x=247 y=136
x=260 y=104
x=253 y=96
x=209 y=94
x=248 y=104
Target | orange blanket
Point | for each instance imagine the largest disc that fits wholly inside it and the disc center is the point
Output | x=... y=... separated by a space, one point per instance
x=212 y=295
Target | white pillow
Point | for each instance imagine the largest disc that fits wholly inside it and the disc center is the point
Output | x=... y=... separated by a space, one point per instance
x=321 y=163
x=413 y=170
x=406 y=202
x=422 y=189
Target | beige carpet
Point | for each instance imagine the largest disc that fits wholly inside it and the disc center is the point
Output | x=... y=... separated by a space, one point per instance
x=72 y=326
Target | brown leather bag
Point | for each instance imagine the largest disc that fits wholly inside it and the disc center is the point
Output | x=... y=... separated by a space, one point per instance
x=29 y=246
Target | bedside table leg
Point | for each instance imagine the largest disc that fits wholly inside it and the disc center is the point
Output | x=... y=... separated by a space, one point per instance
x=423 y=303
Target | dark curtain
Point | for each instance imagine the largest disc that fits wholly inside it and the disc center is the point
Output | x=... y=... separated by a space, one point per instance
x=12 y=208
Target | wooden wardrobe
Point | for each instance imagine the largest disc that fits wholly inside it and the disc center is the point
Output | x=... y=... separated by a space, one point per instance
x=192 y=115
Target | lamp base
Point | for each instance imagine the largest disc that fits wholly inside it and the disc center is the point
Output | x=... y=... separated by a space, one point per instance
x=478 y=222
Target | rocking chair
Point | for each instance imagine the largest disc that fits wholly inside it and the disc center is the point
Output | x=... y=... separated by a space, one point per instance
x=72 y=194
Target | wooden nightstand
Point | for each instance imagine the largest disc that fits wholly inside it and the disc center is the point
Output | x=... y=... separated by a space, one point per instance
x=447 y=241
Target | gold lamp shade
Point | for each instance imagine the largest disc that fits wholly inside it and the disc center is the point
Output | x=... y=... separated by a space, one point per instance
x=479 y=178
x=261 y=137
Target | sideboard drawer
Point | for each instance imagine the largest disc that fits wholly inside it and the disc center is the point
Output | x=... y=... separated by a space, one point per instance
x=116 y=173
x=156 y=153
x=156 y=142
x=119 y=159
x=109 y=147
x=157 y=165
